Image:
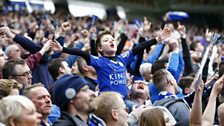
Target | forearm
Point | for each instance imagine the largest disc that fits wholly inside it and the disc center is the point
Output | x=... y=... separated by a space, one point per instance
x=77 y=52
x=139 y=58
x=188 y=68
x=156 y=53
x=93 y=48
x=72 y=58
x=143 y=45
x=209 y=113
x=42 y=51
x=27 y=44
x=138 y=63
x=173 y=63
x=179 y=68
x=196 y=111
x=121 y=45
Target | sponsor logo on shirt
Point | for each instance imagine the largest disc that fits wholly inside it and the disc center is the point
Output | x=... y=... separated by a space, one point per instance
x=117 y=78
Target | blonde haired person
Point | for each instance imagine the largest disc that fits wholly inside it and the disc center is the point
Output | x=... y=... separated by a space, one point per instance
x=18 y=111
x=111 y=109
x=9 y=87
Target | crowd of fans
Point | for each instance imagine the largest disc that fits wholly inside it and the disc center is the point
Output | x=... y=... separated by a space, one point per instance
x=64 y=71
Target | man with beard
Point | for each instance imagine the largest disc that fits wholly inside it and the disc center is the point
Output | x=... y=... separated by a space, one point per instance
x=73 y=96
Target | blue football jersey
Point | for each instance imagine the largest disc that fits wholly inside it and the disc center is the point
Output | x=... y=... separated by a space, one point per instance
x=112 y=74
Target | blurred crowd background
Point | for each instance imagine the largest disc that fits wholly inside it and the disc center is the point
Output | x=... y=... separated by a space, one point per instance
x=197 y=15
x=48 y=35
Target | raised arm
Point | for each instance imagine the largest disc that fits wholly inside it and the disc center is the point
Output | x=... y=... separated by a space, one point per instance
x=23 y=41
x=135 y=64
x=196 y=112
x=120 y=47
x=57 y=47
x=34 y=59
x=174 y=61
x=72 y=58
x=144 y=45
x=209 y=113
x=156 y=53
x=188 y=68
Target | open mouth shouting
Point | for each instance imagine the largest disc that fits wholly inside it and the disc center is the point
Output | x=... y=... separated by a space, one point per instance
x=112 y=45
x=141 y=86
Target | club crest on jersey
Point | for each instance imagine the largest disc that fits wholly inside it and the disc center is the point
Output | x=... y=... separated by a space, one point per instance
x=126 y=54
x=121 y=64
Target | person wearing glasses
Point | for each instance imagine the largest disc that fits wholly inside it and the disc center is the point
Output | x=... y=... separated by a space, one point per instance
x=139 y=95
x=18 y=70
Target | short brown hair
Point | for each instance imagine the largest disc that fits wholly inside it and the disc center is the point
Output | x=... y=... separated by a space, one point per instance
x=98 y=40
x=160 y=79
x=185 y=82
x=9 y=67
x=53 y=67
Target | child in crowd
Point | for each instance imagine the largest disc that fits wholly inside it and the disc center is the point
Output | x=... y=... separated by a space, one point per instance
x=111 y=68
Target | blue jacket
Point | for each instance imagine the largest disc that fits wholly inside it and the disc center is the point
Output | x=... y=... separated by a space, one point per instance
x=55 y=113
x=156 y=53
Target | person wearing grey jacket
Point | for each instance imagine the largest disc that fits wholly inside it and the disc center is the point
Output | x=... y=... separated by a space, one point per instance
x=167 y=86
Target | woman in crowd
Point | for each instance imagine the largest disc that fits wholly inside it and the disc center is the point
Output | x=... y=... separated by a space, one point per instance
x=18 y=111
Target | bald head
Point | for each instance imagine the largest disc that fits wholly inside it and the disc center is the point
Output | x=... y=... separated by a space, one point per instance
x=13 y=52
x=145 y=70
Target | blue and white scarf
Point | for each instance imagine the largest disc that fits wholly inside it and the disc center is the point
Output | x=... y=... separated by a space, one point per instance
x=165 y=94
